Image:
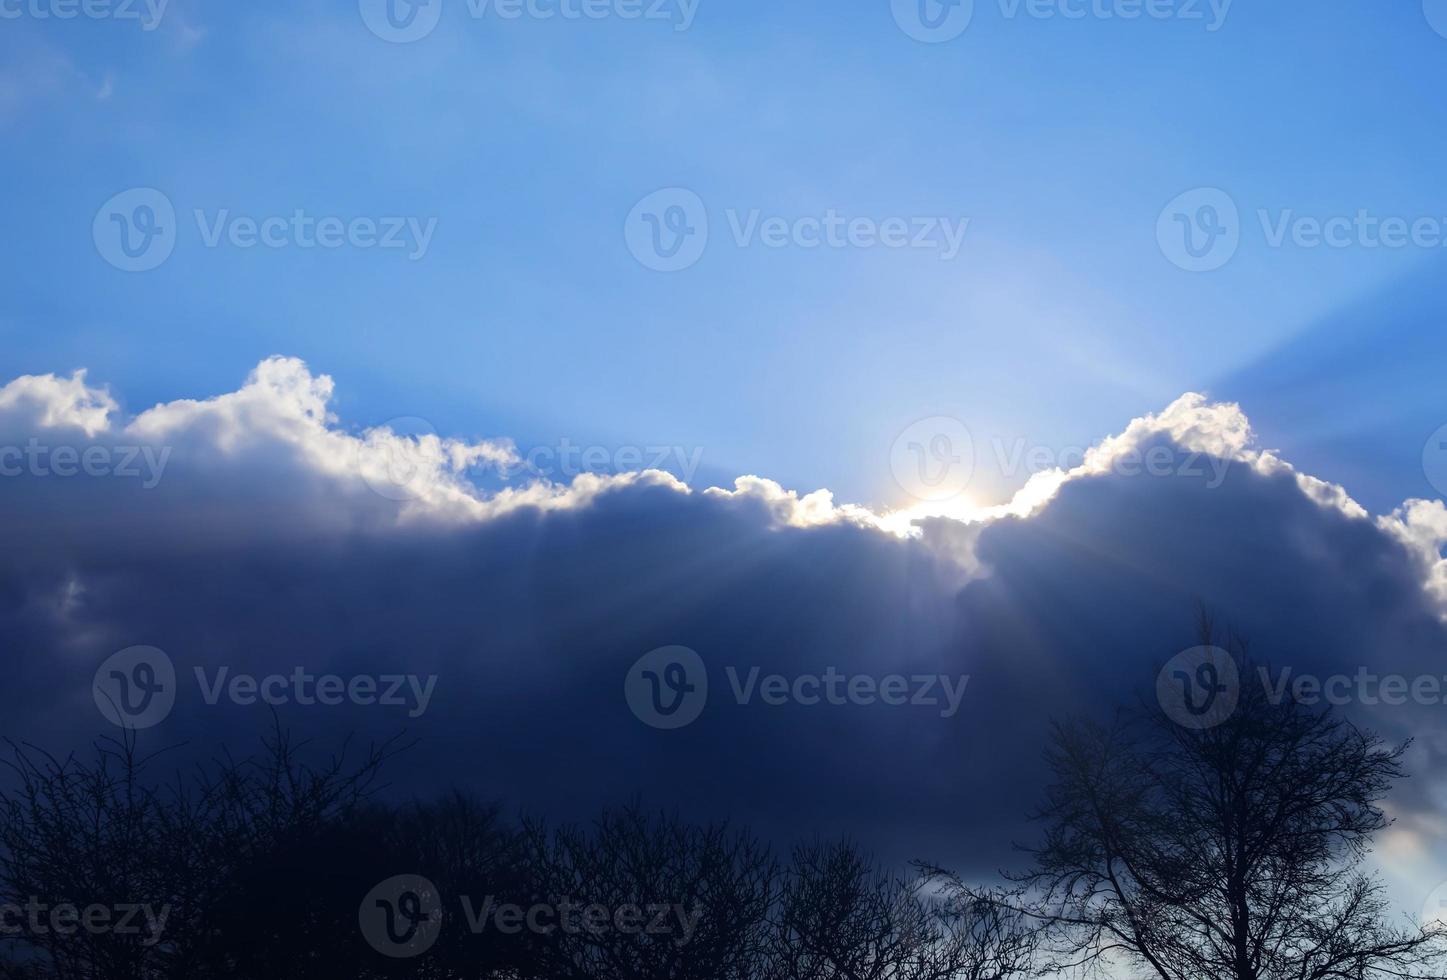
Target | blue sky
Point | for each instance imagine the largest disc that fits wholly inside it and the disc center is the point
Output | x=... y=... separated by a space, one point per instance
x=527 y=142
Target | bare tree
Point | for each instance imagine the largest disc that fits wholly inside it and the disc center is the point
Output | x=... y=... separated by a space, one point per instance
x=467 y=850
x=1225 y=851
x=73 y=832
x=842 y=917
x=669 y=900
x=247 y=867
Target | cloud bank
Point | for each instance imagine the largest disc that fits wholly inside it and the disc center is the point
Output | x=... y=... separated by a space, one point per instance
x=275 y=539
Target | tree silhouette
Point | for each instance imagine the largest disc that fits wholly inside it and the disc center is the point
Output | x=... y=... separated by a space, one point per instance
x=256 y=862
x=1229 y=846
x=841 y=917
x=718 y=881
x=1228 y=851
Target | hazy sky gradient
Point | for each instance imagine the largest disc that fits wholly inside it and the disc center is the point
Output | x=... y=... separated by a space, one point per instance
x=529 y=141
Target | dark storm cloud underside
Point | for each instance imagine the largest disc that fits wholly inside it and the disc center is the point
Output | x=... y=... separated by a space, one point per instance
x=532 y=621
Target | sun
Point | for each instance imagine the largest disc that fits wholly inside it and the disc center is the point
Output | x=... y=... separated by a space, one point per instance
x=961 y=507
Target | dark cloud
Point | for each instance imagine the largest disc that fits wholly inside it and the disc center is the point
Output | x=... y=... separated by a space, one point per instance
x=263 y=549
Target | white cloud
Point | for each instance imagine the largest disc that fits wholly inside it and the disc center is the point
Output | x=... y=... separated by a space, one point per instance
x=52 y=402
x=282 y=410
x=283 y=404
x=1422 y=526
